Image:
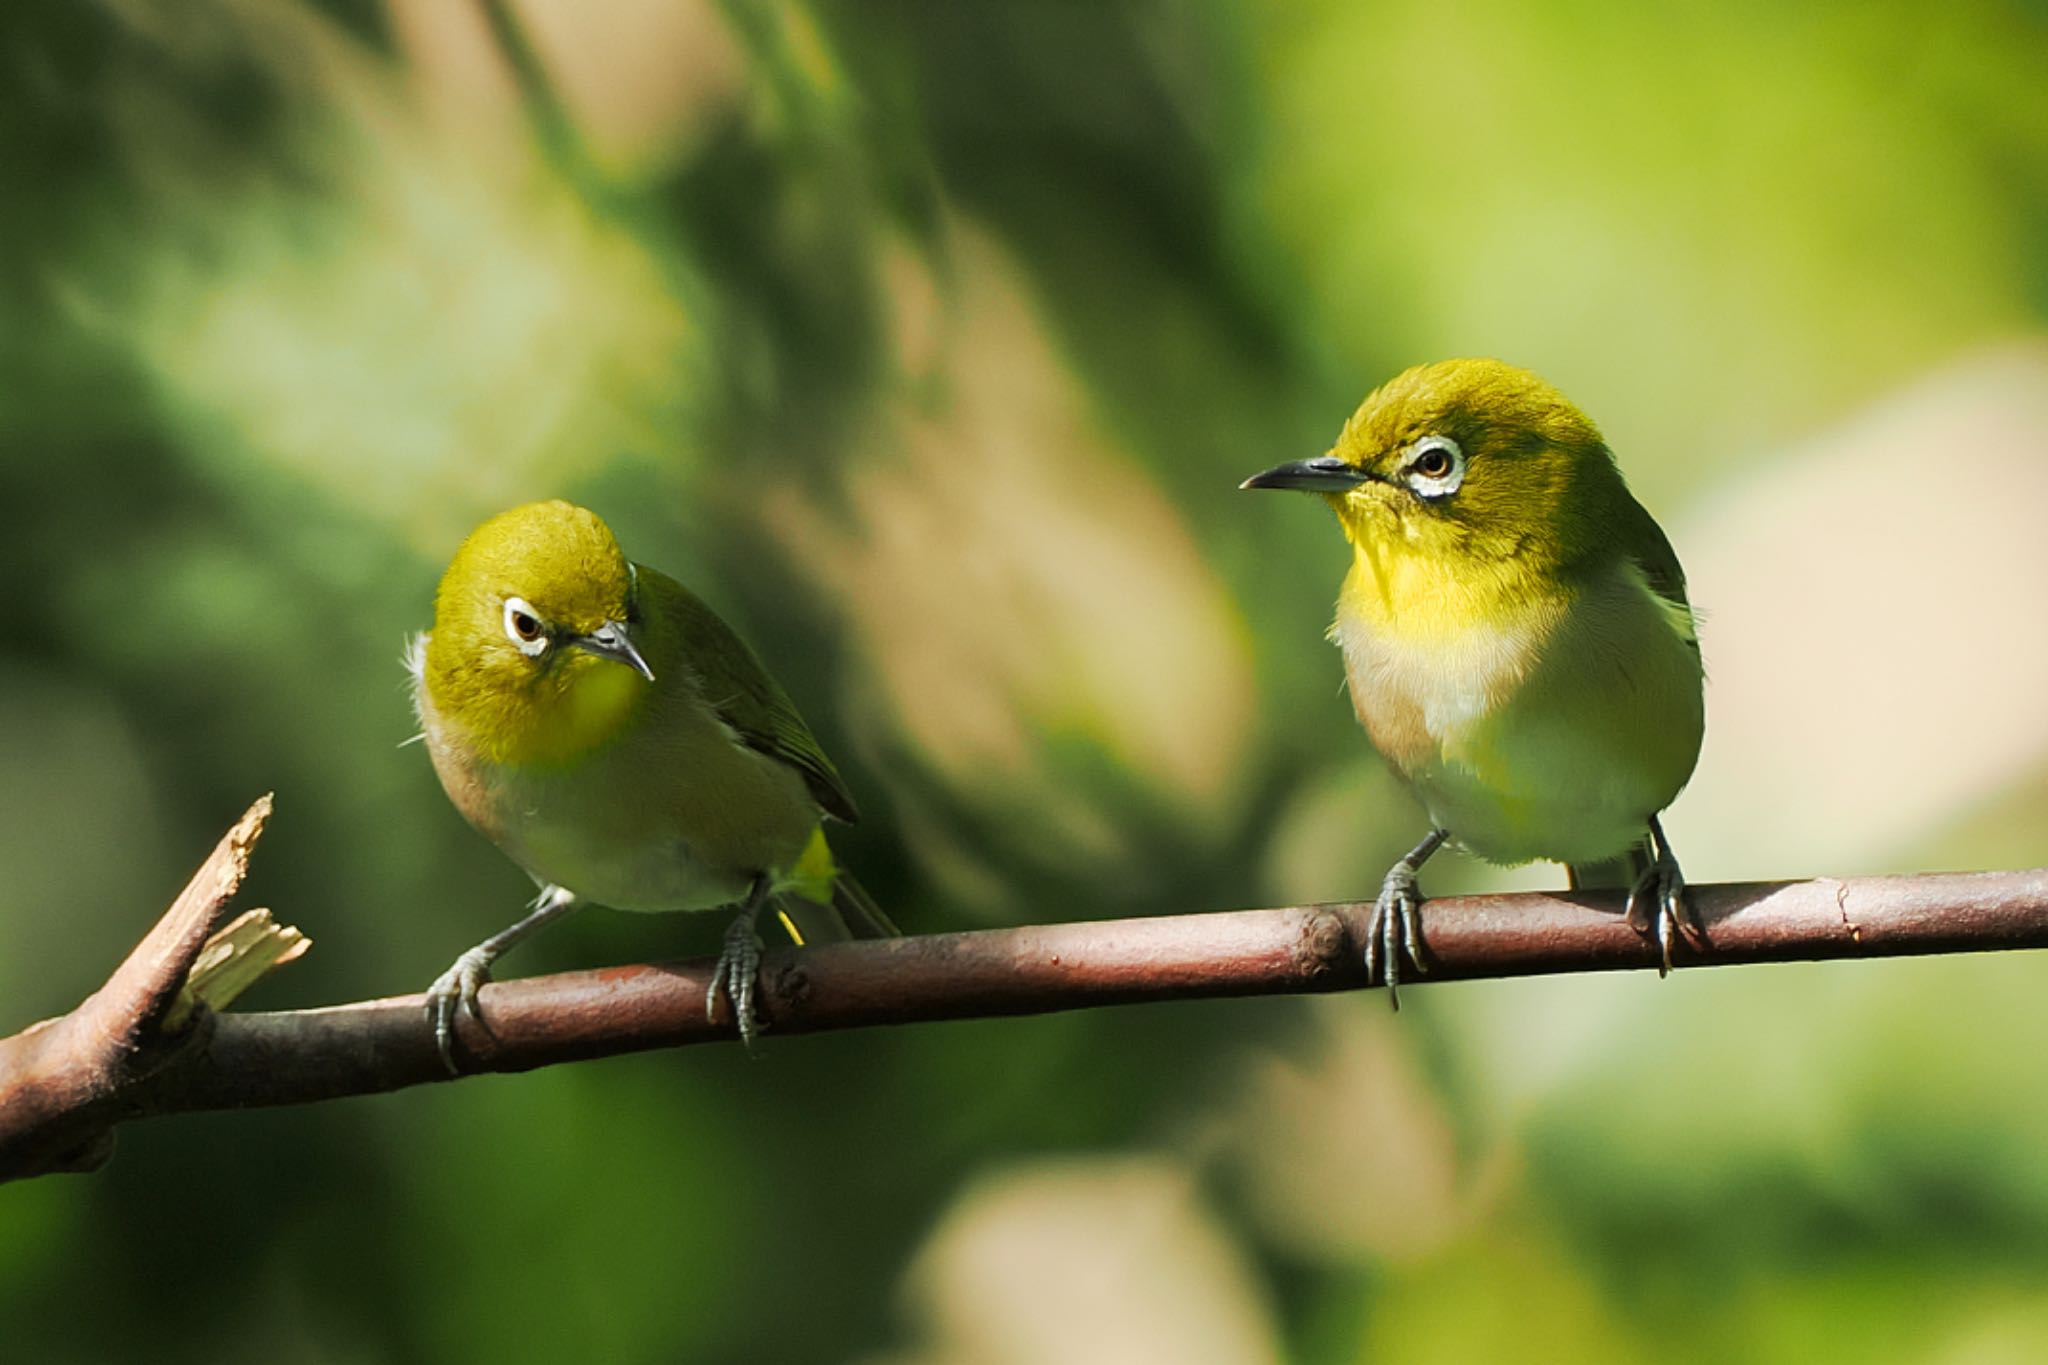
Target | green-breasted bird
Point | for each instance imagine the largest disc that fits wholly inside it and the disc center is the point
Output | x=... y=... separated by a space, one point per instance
x=604 y=728
x=1516 y=637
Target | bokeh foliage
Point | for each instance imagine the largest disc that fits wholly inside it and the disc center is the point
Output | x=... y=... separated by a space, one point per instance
x=929 y=342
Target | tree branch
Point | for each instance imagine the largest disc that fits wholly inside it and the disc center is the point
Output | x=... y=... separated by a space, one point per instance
x=66 y=1083
x=60 y=1079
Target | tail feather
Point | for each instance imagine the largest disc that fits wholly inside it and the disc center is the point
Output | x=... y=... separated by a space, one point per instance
x=852 y=914
x=858 y=909
x=1620 y=872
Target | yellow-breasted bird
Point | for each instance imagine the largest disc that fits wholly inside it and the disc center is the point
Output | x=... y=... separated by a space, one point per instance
x=603 y=727
x=1516 y=637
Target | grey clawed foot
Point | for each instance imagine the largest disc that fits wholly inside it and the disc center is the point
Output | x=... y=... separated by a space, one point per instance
x=458 y=986
x=1396 y=931
x=738 y=974
x=455 y=989
x=1657 y=904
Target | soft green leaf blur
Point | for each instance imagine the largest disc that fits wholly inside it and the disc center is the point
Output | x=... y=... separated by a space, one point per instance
x=929 y=342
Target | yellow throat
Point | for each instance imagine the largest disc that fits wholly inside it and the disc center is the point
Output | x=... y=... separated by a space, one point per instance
x=556 y=694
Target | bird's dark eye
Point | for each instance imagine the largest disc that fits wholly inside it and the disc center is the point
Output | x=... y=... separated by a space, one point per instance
x=524 y=627
x=1435 y=468
x=1433 y=463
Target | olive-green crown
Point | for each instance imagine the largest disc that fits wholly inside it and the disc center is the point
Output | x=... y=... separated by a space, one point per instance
x=1541 y=486
x=559 y=557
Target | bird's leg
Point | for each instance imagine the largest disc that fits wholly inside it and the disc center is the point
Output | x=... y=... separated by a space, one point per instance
x=458 y=986
x=1660 y=892
x=1396 y=929
x=739 y=965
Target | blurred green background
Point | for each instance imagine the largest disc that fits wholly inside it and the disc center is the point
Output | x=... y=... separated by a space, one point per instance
x=929 y=342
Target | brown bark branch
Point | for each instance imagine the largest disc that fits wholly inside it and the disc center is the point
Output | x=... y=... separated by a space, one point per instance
x=65 y=1083
x=61 y=1079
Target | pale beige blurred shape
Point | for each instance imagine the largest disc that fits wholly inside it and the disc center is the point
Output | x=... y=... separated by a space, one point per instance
x=639 y=77
x=1016 y=578
x=1110 y=1261
x=1344 y=1145
x=920 y=318
x=456 y=65
x=1876 y=627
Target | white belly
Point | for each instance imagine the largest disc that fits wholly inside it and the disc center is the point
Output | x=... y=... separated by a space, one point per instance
x=566 y=831
x=679 y=817
x=1557 y=737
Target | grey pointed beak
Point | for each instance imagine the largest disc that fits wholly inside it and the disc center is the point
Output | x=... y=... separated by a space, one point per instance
x=1323 y=474
x=613 y=641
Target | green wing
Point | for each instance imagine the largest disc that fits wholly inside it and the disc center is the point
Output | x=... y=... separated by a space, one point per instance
x=1651 y=549
x=745 y=696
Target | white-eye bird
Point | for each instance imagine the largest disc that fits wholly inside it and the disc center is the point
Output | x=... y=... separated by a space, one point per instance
x=1516 y=638
x=618 y=741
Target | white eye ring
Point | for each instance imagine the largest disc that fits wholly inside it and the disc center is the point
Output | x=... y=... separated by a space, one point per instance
x=523 y=627
x=1442 y=478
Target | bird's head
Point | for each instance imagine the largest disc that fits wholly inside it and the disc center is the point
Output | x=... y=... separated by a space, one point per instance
x=1466 y=459
x=534 y=649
